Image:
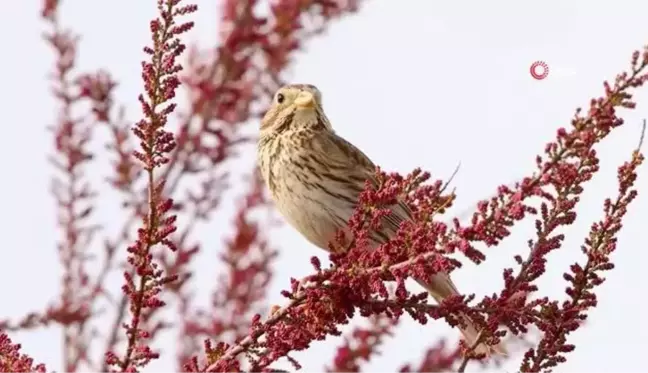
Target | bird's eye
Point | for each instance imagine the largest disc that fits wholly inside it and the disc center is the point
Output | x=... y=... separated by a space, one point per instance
x=280 y=98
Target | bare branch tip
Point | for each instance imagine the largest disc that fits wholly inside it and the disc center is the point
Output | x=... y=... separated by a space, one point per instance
x=642 y=135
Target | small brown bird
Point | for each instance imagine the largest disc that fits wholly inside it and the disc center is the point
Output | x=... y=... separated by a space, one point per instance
x=315 y=178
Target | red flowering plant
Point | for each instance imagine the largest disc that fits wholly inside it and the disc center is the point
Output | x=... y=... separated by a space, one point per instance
x=356 y=279
x=154 y=250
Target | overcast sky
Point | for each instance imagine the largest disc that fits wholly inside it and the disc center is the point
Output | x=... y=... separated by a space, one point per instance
x=412 y=83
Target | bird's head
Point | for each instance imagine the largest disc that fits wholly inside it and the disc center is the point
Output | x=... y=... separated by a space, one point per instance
x=295 y=107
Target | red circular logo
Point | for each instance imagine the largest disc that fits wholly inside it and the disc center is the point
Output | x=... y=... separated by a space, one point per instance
x=539 y=70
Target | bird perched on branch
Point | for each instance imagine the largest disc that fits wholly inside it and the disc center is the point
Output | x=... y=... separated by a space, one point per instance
x=315 y=178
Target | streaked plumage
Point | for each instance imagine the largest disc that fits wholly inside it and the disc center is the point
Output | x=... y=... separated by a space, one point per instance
x=315 y=176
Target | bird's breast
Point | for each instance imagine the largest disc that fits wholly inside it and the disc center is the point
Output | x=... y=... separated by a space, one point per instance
x=310 y=200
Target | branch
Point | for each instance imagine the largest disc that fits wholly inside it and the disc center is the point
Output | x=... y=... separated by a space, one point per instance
x=562 y=320
x=160 y=82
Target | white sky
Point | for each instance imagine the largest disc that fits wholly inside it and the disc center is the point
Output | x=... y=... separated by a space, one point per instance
x=412 y=83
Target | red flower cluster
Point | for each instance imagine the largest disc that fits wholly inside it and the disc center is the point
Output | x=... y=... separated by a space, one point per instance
x=362 y=344
x=11 y=360
x=145 y=280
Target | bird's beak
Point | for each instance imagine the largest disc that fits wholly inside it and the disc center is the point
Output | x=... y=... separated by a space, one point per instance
x=305 y=100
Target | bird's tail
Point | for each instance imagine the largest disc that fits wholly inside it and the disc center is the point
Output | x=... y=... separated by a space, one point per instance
x=442 y=287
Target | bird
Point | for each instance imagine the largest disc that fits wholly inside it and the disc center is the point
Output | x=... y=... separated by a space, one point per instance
x=315 y=178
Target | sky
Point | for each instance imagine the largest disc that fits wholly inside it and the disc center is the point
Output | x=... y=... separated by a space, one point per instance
x=413 y=83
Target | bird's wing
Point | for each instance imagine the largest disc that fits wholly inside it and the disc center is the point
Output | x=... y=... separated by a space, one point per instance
x=346 y=157
x=347 y=160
